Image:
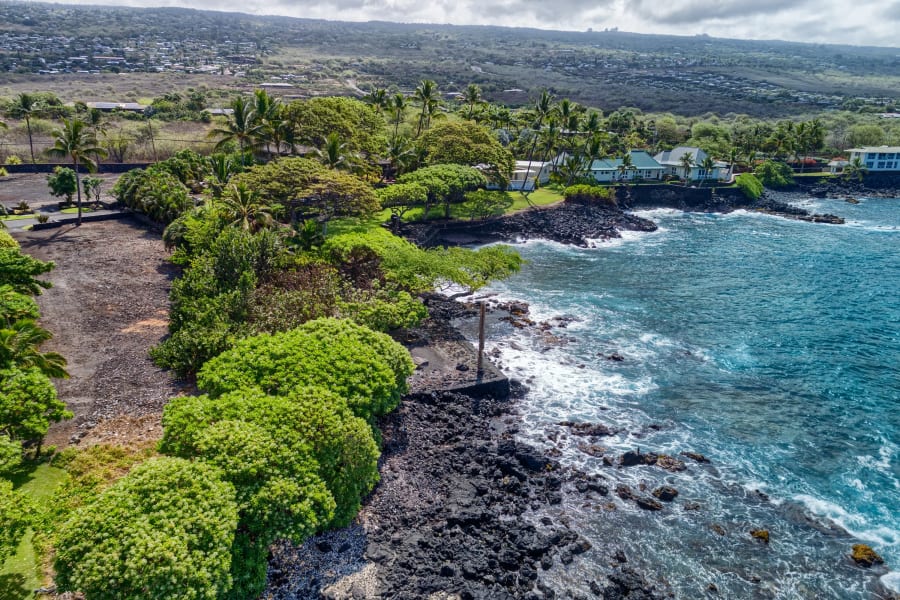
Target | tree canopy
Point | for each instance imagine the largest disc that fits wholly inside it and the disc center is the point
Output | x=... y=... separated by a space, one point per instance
x=465 y=143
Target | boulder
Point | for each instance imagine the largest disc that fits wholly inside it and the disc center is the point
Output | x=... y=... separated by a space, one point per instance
x=665 y=493
x=864 y=556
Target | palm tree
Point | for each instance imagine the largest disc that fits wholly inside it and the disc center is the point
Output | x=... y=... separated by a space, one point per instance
x=856 y=169
x=708 y=165
x=26 y=106
x=543 y=108
x=427 y=94
x=19 y=343
x=268 y=117
x=397 y=108
x=242 y=126
x=221 y=168
x=400 y=154
x=332 y=153
x=687 y=161
x=377 y=99
x=625 y=166
x=242 y=206
x=472 y=97
x=79 y=143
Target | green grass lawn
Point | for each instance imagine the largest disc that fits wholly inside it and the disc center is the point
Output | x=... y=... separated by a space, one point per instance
x=21 y=574
x=17 y=217
x=539 y=197
x=74 y=210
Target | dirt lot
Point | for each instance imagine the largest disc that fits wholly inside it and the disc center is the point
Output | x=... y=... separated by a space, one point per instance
x=107 y=307
x=32 y=188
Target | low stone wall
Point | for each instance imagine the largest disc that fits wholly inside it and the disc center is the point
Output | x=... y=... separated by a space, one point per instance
x=48 y=167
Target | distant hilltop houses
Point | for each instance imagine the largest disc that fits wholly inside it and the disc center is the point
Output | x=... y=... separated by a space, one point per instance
x=877 y=158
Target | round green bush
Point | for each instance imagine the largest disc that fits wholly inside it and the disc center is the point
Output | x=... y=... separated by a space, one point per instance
x=309 y=422
x=164 y=531
x=365 y=367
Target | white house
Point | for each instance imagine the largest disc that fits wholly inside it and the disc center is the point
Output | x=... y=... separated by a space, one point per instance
x=671 y=160
x=524 y=175
x=878 y=158
x=837 y=166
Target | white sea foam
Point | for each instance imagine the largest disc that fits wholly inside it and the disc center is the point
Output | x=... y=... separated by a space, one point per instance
x=891 y=581
x=855 y=524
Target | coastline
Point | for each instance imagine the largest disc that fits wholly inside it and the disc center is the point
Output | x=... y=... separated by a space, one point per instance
x=462 y=508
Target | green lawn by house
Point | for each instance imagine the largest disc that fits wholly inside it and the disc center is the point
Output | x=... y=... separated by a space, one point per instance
x=17 y=217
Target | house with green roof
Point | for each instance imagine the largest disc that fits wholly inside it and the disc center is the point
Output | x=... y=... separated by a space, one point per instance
x=639 y=166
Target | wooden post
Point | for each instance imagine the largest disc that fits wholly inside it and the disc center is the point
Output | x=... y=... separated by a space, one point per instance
x=480 y=372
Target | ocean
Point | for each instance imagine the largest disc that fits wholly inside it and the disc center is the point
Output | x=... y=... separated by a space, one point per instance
x=770 y=346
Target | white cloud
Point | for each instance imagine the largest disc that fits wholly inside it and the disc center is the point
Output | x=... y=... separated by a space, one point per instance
x=863 y=23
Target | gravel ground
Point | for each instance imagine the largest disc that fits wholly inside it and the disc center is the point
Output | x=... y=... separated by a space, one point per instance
x=107 y=307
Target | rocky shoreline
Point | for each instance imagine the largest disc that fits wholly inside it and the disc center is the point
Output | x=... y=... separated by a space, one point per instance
x=582 y=224
x=874 y=185
x=463 y=510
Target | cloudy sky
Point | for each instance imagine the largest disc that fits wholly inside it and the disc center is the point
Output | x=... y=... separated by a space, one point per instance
x=861 y=22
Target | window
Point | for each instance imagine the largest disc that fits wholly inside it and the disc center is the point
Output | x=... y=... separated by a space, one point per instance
x=880 y=164
x=870 y=164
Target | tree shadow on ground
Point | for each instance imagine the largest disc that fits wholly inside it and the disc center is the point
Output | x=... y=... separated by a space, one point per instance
x=12 y=587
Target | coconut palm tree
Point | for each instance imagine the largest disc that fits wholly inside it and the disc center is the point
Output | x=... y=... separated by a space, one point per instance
x=77 y=142
x=427 y=94
x=472 y=97
x=397 y=108
x=377 y=99
x=242 y=126
x=708 y=165
x=400 y=154
x=855 y=170
x=543 y=109
x=243 y=208
x=26 y=106
x=333 y=154
x=625 y=166
x=687 y=161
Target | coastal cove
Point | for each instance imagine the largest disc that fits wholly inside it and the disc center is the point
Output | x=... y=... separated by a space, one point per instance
x=766 y=344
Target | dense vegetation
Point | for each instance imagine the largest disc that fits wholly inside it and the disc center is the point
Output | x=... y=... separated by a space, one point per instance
x=289 y=284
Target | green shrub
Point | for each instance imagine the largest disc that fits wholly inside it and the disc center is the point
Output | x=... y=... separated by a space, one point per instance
x=164 y=531
x=15 y=306
x=20 y=271
x=774 y=174
x=310 y=422
x=28 y=404
x=482 y=204
x=385 y=312
x=590 y=194
x=7 y=241
x=367 y=368
x=3 y=172
x=409 y=267
x=15 y=518
x=750 y=185
x=10 y=457
x=12 y=159
x=156 y=193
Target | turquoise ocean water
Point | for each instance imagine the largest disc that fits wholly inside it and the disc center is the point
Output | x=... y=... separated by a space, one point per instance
x=769 y=345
